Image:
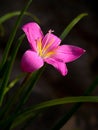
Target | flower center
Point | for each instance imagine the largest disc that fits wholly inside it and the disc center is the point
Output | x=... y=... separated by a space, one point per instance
x=45 y=51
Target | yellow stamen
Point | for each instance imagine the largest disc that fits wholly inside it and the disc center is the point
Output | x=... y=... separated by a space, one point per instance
x=44 y=52
x=39 y=46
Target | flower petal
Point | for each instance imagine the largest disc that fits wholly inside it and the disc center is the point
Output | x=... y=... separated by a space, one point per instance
x=31 y=61
x=68 y=53
x=50 y=41
x=33 y=32
x=60 y=66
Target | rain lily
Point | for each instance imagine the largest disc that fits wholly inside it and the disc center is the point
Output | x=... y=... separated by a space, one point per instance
x=47 y=49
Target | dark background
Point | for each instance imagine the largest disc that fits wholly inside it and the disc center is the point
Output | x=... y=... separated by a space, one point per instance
x=56 y=15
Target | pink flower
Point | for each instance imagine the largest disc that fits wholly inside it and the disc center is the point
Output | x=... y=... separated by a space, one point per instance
x=47 y=49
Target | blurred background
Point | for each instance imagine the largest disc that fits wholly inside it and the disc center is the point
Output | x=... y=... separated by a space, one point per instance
x=56 y=15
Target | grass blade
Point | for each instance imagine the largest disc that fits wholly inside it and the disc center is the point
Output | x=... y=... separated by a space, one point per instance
x=30 y=112
x=71 y=25
x=12 y=36
x=16 y=13
x=69 y=114
x=9 y=68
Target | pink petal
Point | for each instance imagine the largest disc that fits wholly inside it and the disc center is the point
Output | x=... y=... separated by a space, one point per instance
x=31 y=61
x=68 y=53
x=60 y=66
x=51 y=41
x=33 y=32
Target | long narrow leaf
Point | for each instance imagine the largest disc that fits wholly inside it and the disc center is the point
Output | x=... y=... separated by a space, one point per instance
x=9 y=68
x=30 y=112
x=27 y=89
x=29 y=86
x=68 y=115
x=12 y=83
x=22 y=93
x=71 y=25
x=12 y=36
x=16 y=13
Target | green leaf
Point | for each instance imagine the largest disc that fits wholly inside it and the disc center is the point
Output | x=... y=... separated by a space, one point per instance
x=12 y=84
x=30 y=111
x=22 y=95
x=68 y=115
x=5 y=55
x=12 y=36
x=21 y=120
x=71 y=25
x=28 y=87
x=2 y=70
x=16 y=13
x=29 y=121
x=9 y=68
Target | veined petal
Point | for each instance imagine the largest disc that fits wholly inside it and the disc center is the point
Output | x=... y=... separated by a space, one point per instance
x=68 y=53
x=60 y=66
x=31 y=61
x=33 y=32
x=50 y=41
